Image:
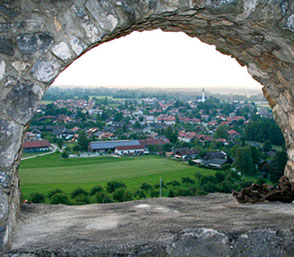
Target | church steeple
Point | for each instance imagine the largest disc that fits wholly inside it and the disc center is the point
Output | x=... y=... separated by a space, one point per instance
x=203 y=99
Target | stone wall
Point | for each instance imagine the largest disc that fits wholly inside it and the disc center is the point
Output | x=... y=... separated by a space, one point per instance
x=38 y=39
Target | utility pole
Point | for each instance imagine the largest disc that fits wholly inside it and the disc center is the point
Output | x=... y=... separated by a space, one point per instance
x=160 y=194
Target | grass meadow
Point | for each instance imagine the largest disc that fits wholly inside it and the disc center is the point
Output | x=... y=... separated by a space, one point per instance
x=46 y=173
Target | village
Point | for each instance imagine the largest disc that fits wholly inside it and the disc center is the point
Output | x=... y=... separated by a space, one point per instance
x=202 y=131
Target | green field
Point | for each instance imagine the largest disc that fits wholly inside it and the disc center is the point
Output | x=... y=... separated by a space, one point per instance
x=46 y=173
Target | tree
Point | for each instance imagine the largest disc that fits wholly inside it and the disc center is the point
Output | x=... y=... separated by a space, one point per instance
x=83 y=141
x=59 y=142
x=267 y=146
x=137 y=125
x=53 y=192
x=78 y=191
x=277 y=166
x=64 y=155
x=222 y=132
x=37 y=198
x=118 y=116
x=113 y=185
x=220 y=176
x=121 y=195
x=243 y=161
x=255 y=154
x=81 y=199
x=139 y=194
x=171 y=193
x=96 y=189
x=145 y=186
x=102 y=197
x=59 y=198
x=188 y=180
x=76 y=148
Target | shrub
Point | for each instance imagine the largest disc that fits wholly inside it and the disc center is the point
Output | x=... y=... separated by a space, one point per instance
x=171 y=193
x=121 y=195
x=191 y=163
x=64 y=155
x=139 y=194
x=81 y=199
x=76 y=148
x=188 y=180
x=37 y=198
x=225 y=187
x=53 y=192
x=59 y=198
x=102 y=197
x=154 y=193
x=244 y=184
x=201 y=192
x=219 y=177
x=205 y=179
x=146 y=187
x=261 y=181
x=157 y=185
x=96 y=189
x=78 y=191
x=182 y=192
x=210 y=187
x=174 y=183
x=198 y=175
x=113 y=185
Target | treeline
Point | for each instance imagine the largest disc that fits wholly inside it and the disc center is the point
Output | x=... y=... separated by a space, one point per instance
x=263 y=130
x=57 y=93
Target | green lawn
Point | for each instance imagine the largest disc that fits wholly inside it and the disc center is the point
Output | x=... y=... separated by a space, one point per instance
x=43 y=174
x=28 y=154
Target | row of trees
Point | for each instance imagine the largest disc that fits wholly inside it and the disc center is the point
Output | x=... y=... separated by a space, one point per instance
x=115 y=191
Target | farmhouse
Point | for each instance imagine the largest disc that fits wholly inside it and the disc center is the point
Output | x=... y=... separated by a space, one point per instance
x=129 y=150
x=106 y=146
x=36 y=146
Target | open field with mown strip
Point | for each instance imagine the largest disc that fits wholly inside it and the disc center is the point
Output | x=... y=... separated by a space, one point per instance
x=43 y=174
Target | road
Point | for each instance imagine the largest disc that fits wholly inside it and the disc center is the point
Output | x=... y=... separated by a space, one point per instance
x=55 y=147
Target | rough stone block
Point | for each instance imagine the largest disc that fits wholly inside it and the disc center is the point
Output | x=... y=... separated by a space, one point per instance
x=62 y=51
x=30 y=43
x=45 y=69
x=200 y=242
x=6 y=46
x=8 y=11
x=10 y=138
x=2 y=69
x=5 y=179
x=2 y=236
x=104 y=13
x=251 y=244
x=22 y=101
x=220 y=3
x=3 y=206
x=77 y=46
x=289 y=24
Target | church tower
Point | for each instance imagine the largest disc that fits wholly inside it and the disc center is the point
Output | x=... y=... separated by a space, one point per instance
x=203 y=99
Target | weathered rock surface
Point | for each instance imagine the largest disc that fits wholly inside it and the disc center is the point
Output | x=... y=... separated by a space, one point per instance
x=210 y=226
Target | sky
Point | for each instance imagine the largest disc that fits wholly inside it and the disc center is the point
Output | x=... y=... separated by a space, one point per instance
x=156 y=59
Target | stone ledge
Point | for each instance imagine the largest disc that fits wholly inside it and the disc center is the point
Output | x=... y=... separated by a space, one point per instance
x=213 y=225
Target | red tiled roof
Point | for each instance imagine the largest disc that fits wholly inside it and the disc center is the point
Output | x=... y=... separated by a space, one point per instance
x=187 y=134
x=231 y=132
x=167 y=118
x=36 y=144
x=153 y=141
x=129 y=147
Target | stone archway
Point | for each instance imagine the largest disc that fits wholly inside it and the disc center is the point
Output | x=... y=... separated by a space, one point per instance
x=38 y=39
